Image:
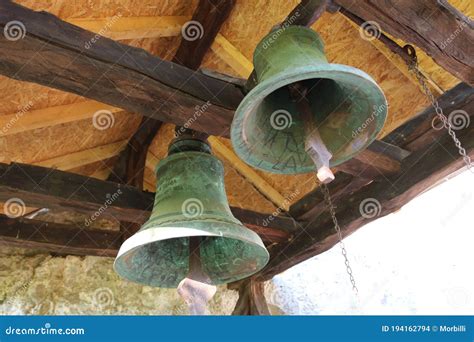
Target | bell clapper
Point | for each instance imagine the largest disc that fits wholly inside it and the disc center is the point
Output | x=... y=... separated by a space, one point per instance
x=196 y=289
x=314 y=144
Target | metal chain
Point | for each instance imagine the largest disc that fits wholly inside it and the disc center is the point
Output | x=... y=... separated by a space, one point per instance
x=332 y=211
x=413 y=67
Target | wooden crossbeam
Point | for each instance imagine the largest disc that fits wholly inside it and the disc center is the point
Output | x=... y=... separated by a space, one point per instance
x=60 y=190
x=432 y=161
x=121 y=28
x=77 y=239
x=430 y=25
x=58 y=238
x=114 y=73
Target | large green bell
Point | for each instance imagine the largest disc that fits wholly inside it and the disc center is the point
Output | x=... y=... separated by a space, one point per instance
x=190 y=201
x=348 y=108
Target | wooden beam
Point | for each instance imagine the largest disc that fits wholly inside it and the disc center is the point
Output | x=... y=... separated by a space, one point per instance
x=156 y=27
x=37 y=186
x=51 y=116
x=436 y=27
x=84 y=157
x=209 y=16
x=114 y=73
x=394 y=58
x=58 y=238
x=428 y=165
x=418 y=129
x=251 y=298
x=120 y=28
x=232 y=56
x=413 y=134
x=130 y=165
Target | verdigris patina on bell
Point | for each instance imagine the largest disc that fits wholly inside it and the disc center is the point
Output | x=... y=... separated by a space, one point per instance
x=348 y=107
x=190 y=201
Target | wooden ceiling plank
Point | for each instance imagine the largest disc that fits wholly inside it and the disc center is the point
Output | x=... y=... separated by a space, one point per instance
x=81 y=158
x=51 y=116
x=121 y=28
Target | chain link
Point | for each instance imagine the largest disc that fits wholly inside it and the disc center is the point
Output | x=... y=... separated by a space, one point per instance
x=332 y=211
x=413 y=67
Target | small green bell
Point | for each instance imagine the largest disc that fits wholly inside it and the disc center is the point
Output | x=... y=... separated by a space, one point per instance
x=190 y=201
x=269 y=131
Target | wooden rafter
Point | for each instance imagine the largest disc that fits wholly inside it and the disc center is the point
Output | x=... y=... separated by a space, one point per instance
x=434 y=157
x=20 y=122
x=62 y=190
x=124 y=76
x=426 y=24
x=84 y=157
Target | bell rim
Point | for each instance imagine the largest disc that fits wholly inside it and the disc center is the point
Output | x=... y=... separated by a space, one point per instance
x=142 y=238
x=265 y=88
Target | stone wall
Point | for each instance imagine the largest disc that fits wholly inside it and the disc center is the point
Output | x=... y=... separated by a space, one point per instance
x=40 y=284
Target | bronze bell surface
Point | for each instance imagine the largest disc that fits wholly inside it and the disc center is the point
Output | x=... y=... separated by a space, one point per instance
x=190 y=204
x=304 y=111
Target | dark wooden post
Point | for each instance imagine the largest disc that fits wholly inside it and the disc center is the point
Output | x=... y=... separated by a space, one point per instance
x=251 y=298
